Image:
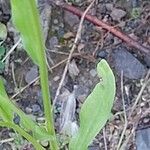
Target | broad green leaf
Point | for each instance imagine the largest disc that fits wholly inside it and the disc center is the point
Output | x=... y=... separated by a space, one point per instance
x=96 y=109
x=26 y=18
x=7 y=111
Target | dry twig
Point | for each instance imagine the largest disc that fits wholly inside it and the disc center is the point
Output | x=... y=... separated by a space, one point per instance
x=104 y=137
x=147 y=80
x=105 y=26
x=125 y=115
x=11 y=50
x=71 y=52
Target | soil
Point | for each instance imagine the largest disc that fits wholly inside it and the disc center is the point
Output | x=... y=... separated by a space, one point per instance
x=60 y=27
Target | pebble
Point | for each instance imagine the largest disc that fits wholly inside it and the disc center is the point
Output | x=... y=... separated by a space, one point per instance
x=68 y=35
x=73 y=69
x=36 y=108
x=146 y=120
x=93 y=72
x=117 y=14
x=143 y=139
x=102 y=54
x=109 y=6
x=71 y=19
x=28 y=110
x=55 y=21
x=56 y=78
x=31 y=74
x=126 y=62
x=40 y=119
x=53 y=42
x=44 y=143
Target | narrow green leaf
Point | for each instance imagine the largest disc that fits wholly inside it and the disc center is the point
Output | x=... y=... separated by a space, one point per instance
x=96 y=110
x=23 y=133
x=26 y=19
x=2 y=88
x=3 y=114
x=8 y=109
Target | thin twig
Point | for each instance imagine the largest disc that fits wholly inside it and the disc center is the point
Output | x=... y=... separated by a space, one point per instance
x=50 y=69
x=125 y=115
x=104 y=137
x=133 y=108
x=138 y=116
x=36 y=79
x=11 y=50
x=147 y=80
x=78 y=35
x=105 y=26
x=6 y=140
x=13 y=75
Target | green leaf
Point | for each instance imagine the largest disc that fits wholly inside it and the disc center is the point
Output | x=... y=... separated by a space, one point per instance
x=3 y=33
x=27 y=22
x=96 y=110
x=7 y=111
x=135 y=12
x=2 y=88
x=26 y=18
x=23 y=133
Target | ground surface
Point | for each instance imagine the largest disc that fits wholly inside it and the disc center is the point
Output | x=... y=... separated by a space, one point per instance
x=60 y=30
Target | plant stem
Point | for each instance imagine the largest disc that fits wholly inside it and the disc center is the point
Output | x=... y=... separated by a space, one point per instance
x=46 y=98
x=23 y=133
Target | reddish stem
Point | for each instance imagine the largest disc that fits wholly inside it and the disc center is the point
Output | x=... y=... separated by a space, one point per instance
x=104 y=25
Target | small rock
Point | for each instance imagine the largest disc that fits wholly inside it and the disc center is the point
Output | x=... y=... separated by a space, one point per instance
x=53 y=42
x=93 y=72
x=117 y=14
x=73 y=69
x=31 y=74
x=28 y=110
x=143 y=139
x=55 y=21
x=126 y=62
x=44 y=143
x=109 y=6
x=146 y=120
x=36 y=108
x=102 y=54
x=40 y=119
x=56 y=78
x=81 y=46
x=68 y=35
x=71 y=19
